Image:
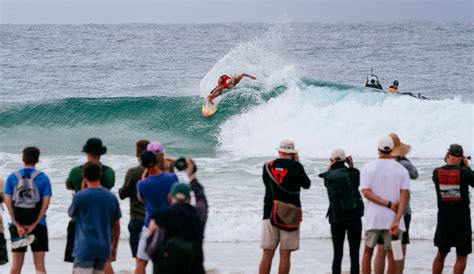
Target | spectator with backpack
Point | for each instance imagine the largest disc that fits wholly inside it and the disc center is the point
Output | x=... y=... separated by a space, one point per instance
x=283 y=179
x=75 y=181
x=97 y=213
x=345 y=208
x=3 y=242
x=178 y=231
x=27 y=197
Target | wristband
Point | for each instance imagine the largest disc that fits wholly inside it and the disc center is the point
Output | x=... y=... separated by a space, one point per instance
x=389 y=204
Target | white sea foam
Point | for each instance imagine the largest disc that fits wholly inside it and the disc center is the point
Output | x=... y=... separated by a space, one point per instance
x=235 y=192
x=320 y=119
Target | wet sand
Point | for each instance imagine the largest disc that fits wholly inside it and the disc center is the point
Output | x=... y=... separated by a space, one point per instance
x=315 y=256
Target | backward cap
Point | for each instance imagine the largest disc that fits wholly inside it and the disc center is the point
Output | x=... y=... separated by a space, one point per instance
x=385 y=144
x=180 y=191
x=148 y=159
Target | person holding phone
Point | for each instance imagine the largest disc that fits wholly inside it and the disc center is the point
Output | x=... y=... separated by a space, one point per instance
x=345 y=208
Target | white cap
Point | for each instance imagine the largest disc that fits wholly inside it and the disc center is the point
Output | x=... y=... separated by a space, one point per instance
x=287 y=146
x=338 y=155
x=386 y=144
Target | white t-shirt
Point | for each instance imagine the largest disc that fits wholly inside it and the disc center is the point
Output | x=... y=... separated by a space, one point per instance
x=385 y=178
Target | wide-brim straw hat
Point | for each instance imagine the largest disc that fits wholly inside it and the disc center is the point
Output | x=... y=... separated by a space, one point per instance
x=399 y=149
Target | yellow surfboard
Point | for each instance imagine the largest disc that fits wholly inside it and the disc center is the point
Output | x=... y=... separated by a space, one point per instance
x=209 y=110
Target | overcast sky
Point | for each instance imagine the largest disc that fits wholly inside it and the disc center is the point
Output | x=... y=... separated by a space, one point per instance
x=219 y=11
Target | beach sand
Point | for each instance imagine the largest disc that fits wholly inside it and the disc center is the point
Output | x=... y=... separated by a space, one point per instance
x=315 y=256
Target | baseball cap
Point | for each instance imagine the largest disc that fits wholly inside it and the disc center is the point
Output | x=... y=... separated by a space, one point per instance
x=338 y=155
x=287 y=146
x=180 y=191
x=155 y=147
x=148 y=159
x=385 y=144
x=456 y=150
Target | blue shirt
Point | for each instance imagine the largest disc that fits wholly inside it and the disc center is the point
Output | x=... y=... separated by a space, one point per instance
x=154 y=191
x=42 y=183
x=95 y=210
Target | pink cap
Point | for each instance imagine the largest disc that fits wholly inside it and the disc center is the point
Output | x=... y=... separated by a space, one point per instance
x=155 y=147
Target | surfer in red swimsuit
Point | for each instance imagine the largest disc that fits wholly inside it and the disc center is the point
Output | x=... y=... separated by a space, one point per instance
x=226 y=82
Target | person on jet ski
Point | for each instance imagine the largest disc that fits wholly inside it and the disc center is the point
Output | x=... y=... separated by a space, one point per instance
x=374 y=83
x=394 y=87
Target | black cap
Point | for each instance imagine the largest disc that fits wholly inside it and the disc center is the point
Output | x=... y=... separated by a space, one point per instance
x=148 y=159
x=94 y=146
x=456 y=150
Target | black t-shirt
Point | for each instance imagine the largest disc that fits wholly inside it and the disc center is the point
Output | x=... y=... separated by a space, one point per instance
x=181 y=220
x=291 y=176
x=452 y=186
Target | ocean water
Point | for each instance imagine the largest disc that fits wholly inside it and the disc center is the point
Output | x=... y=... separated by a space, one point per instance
x=61 y=84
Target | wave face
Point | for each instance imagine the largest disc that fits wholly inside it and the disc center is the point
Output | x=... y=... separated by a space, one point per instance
x=318 y=116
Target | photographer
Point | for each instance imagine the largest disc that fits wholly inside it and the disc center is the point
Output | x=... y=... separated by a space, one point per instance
x=453 y=229
x=178 y=231
x=345 y=208
x=283 y=178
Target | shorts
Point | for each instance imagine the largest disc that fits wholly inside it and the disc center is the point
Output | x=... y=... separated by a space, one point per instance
x=454 y=230
x=3 y=249
x=272 y=236
x=406 y=235
x=141 y=251
x=371 y=237
x=71 y=236
x=88 y=267
x=41 y=239
x=135 y=228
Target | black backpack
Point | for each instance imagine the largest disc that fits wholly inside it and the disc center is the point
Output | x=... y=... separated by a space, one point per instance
x=177 y=256
x=345 y=201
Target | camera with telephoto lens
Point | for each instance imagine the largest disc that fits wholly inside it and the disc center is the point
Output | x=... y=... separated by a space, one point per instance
x=182 y=164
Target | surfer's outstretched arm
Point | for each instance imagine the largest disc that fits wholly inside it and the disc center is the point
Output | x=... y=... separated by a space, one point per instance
x=242 y=75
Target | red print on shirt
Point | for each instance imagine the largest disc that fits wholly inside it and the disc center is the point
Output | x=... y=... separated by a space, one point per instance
x=449 y=185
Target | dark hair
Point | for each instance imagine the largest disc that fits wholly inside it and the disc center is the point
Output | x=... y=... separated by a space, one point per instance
x=92 y=171
x=31 y=155
x=372 y=81
x=141 y=146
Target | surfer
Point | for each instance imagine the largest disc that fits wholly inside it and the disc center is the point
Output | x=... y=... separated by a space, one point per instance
x=226 y=82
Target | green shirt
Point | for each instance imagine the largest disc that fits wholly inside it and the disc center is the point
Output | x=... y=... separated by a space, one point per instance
x=74 y=180
x=129 y=189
